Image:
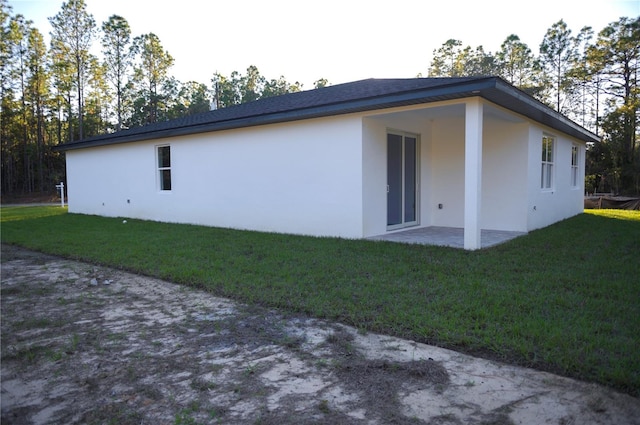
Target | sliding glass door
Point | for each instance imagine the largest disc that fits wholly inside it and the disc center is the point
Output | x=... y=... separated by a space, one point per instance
x=402 y=180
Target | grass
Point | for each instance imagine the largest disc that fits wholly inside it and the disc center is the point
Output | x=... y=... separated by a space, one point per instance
x=25 y=213
x=565 y=299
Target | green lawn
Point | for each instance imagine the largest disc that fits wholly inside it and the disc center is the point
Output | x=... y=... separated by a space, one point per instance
x=565 y=299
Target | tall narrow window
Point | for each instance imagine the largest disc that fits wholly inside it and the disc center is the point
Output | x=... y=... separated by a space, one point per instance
x=574 y=166
x=546 y=175
x=164 y=167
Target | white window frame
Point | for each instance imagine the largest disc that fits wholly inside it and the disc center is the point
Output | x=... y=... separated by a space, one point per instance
x=575 y=165
x=547 y=170
x=162 y=169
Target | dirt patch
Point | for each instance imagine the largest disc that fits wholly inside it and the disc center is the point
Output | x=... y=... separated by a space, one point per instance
x=93 y=345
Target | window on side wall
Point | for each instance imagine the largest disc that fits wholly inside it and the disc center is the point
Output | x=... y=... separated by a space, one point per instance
x=546 y=175
x=164 y=167
x=574 y=165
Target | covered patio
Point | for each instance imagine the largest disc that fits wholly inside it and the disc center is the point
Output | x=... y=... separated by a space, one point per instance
x=446 y=236
x=444 y=171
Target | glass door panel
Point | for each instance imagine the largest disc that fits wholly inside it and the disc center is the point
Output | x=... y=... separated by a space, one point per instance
x=409 y=179
x=402 y=177
x=394 y=179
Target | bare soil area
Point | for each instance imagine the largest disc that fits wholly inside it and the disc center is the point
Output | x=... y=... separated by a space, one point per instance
x=83 y=344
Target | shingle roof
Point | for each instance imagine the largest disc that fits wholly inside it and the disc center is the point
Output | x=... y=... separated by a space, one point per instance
x=363 y=95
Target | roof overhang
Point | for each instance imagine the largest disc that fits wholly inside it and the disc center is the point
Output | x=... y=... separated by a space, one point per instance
x=493 y=89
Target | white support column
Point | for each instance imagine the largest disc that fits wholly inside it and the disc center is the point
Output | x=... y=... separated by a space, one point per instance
x=472 y=173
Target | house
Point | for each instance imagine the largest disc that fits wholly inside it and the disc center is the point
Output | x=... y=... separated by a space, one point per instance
x=353 y=160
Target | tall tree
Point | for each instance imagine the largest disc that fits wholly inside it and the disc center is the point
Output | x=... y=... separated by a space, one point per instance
x=62 y=79
x=38 y=97
x=98 y=101
x=445 y=60
x=251 y=85
x=479 y=62
x=280 y=86
x=24 y=99
x=238 y=88
x=585 y=74
x=451 y=60
x=192 y=98
x=73 y=33
x=10 y=131
x=18 y=33
x=151 y=72
x=5 y=47
x=226 y=90
x=318 y=84
x=617 y=52
x=557 y=55
x=116 y=40
x=517 y=65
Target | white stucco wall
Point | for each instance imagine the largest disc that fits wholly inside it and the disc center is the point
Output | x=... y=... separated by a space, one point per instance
x=101 y=180
x=328 y=177
x=504 y=175
x=547 y=206
x=447 y=172
x=374 y=177
x=300 y=177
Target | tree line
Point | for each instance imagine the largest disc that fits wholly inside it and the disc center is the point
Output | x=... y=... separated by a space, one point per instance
x=59 y=93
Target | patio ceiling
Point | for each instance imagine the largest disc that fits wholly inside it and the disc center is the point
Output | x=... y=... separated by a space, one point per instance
x=457 y=110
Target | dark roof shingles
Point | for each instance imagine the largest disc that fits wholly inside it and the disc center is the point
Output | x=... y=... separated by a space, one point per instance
x=330 y=95
x=340 y=98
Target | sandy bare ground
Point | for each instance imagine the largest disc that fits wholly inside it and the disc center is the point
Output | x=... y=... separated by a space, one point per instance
x=83 y=344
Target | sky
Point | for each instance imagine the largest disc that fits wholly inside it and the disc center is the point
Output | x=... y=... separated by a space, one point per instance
x=339 y=40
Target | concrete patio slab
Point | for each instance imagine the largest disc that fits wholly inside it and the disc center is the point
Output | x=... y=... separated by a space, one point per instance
x=446 y=236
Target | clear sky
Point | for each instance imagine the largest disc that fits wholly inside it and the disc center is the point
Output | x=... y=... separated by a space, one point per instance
x=340 y=40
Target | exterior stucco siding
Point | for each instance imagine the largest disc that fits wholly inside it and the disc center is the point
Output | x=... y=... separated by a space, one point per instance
x=447 y=172
x=302 y=178
x=504 y=176
x=547 y=206
x=328 y=176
